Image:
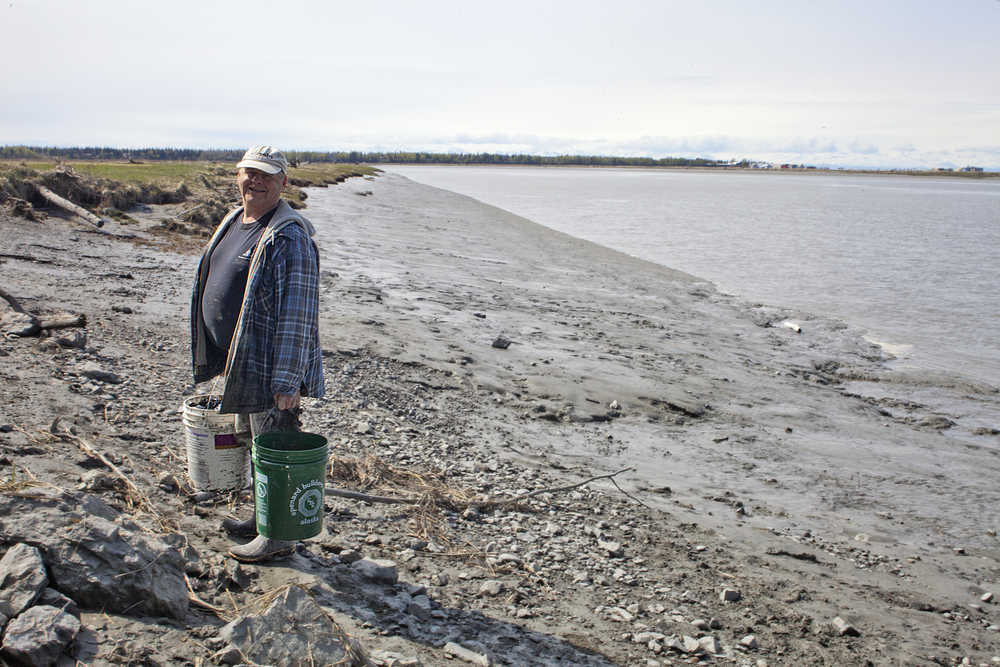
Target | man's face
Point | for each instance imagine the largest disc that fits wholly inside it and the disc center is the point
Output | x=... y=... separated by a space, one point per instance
x=260 y=189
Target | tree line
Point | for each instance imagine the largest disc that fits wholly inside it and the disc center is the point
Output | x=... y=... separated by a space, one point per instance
x=349 y=157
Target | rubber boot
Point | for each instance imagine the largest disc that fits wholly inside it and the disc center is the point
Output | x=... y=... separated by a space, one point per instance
x=245 y=527
x=262 y=548
x=240 y=527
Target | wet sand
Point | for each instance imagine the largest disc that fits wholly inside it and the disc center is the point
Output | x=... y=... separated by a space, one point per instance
x=813 y=429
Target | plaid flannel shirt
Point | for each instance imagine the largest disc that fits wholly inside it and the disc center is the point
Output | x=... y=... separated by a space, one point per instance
x=276 y=348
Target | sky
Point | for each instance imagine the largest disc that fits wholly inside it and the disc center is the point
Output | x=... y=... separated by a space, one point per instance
x=872 y=83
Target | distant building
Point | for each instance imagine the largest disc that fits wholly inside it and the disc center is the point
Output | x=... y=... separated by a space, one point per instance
x=968 y=169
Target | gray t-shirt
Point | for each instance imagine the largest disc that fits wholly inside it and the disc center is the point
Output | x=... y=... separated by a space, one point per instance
x=228 y=269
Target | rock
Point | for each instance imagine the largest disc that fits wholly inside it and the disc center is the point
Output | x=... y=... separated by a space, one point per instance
x=380 y=570
x=78 y=340
x=53 y=598
x=730 y=595
x=513 y=559
x=844 y=629
x=646 y=637
x=700 y=624
x=492 y=588
x=391 y=659
x=750 y=642
x=40 y=635
x=420 y=606
x=22 y=579
x=691 y=645
x=710 y=645
x=13 y=323
x=614 y=549
x=349 y=556
x=672 y=642
x=468 y=655
x=619 y=614
x=501 y=343
x=94 y=371
x=364 y=428
x=168 y=482
x=96 y=481
x=101 y=564
x=937 y=422
x=294 y=630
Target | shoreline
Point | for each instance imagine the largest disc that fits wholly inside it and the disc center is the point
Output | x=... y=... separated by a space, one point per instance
x=763 y=466
x=796 y=171
x=951 y=336
x=722 y=322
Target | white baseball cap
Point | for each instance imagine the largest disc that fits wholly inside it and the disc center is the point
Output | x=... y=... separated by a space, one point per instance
x=266 y=158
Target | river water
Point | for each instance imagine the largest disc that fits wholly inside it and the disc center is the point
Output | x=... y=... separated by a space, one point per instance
x=911 y=260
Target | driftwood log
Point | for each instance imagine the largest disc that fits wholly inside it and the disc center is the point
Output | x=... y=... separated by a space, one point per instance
x=66 y=204
x=67 y=321
x=14 y=304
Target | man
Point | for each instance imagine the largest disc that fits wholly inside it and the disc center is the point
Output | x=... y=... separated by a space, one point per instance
x=255 y=314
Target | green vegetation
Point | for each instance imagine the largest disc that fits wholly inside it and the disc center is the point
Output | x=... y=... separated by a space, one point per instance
x=112 y=188
x=143 y=165
x=343 y=157
x=152 y=172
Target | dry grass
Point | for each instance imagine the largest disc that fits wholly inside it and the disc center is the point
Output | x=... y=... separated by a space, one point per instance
x=18 y=485
x=428 y=493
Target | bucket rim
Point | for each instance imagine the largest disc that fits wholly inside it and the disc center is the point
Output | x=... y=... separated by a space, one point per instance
x=322 y=443
x=190 y=399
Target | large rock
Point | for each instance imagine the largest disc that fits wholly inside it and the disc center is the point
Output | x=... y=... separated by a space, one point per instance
x=22 y=579
x=378 y=569
x=99 y=563
x=39 y=636
x=54 y=598
x=294 y=630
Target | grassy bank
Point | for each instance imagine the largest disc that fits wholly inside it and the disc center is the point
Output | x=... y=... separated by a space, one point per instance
x=112 y=188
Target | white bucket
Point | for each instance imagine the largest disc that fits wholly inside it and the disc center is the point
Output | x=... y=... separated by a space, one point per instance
x=218 y=457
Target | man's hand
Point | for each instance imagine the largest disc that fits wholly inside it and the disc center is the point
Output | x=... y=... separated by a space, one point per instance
x=287 y=401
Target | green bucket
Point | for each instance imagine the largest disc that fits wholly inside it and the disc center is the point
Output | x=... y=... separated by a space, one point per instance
x=289 y=476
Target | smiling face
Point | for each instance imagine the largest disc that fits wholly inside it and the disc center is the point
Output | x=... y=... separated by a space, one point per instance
x=260 y=190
